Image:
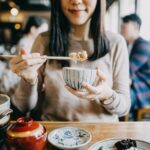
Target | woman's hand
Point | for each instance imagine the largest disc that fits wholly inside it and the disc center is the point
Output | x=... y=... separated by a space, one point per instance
x=101 y=92
x=26 y=65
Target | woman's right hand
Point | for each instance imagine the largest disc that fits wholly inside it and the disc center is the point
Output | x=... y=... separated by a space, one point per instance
x=26 y=65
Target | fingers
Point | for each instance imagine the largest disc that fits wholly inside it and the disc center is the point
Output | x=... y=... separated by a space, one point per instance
x=20 y=58
x=100 y=92
x=75 y=92
x=84 y=95
x=100 y=74
x=26 y=62
x=37 y=62
x=22 y=51
x=26 y=65
x=89 y=88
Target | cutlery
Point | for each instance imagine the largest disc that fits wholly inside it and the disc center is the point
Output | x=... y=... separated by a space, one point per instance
x=47 y=57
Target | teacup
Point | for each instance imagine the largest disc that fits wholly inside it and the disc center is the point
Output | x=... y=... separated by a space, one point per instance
x=74 y=77
x=4 y=119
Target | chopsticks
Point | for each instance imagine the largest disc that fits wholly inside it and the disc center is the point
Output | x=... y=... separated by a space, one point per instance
x=47 y=57
x=79 y=56
x=8 y=56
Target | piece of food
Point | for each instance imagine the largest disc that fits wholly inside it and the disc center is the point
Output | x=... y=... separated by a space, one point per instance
x=127 y=144
x=73 y=55
x=80 y=56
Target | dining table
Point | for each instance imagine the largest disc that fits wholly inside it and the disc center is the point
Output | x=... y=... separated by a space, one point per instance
x=102 y=131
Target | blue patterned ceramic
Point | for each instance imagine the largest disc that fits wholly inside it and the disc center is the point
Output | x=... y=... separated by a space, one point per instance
x=75 y=76
x=69 y=137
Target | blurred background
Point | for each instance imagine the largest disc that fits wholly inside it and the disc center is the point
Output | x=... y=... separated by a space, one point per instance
x=13 y=17
x=120 y=8
x=14 y=14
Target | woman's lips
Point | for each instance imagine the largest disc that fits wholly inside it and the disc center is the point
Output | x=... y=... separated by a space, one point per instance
x=76 y=12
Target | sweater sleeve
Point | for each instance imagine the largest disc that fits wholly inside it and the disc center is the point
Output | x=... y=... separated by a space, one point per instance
x=120 y=105
x=26 y=95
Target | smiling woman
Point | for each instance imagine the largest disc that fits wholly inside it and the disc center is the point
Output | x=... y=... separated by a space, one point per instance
x=78 y=14
x=75 y=25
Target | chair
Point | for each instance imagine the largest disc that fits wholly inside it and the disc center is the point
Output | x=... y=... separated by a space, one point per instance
x=141 y=114
x=124 y=118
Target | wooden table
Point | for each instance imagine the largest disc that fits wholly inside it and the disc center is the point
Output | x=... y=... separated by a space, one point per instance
x=101 y=131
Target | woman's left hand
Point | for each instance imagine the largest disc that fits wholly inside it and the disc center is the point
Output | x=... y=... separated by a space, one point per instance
x=101 y=92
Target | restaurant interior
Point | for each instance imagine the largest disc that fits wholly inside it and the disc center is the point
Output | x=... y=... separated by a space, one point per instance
x=60 y=133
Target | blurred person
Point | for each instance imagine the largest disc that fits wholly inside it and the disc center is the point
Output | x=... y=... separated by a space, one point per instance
x=7 y=35
x=8 y=83
x=139 y=50
x=6 y=43
x=76 y=25
x=33 y=27
x=8 y=80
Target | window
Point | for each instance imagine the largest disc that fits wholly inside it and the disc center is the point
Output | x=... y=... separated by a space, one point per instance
x=112 y=18
x=144 y=12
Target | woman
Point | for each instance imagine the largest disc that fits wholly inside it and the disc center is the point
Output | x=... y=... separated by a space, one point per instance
x=75 y=25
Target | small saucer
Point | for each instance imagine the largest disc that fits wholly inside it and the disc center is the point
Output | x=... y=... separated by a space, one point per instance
x=69 y=137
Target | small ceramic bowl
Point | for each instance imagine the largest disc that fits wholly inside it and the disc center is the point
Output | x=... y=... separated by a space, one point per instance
x=4 y=121
x=4 y=105
x=74 y=77
x=69 y=138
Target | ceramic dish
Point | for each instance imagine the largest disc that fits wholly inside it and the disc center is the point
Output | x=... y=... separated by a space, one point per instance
x=69 y=137
x=4 y=105
x=74 y=77
x=108 y=144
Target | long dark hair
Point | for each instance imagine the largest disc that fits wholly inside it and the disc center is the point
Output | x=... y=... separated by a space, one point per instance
x=60 y=28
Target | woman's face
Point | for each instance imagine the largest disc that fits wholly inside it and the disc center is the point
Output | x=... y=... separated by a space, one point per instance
x=78 y=12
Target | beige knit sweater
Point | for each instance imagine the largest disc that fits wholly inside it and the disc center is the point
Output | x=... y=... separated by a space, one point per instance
x=59 y=104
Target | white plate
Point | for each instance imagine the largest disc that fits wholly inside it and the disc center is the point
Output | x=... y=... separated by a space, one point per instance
x=108 y=144
x=69 y=137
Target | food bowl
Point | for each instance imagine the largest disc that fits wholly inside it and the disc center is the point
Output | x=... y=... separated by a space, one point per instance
x=74 y=77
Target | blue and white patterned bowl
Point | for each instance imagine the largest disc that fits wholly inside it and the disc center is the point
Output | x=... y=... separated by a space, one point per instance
x=69 y=137
x=75 y=76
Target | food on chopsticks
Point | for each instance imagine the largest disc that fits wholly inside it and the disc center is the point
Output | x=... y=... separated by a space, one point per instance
x=80 y=56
